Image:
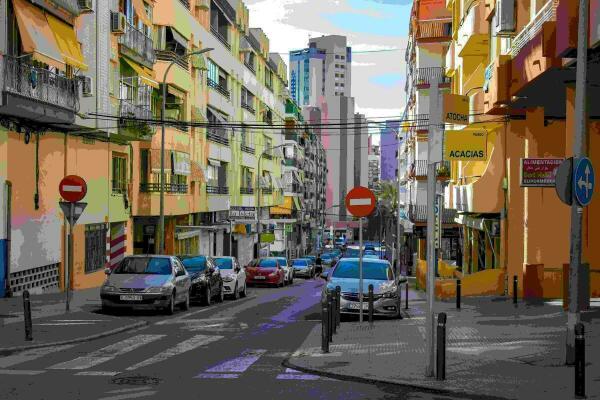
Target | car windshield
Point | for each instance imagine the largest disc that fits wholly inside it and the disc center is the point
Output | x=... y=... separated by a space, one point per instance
x=282 y=262
x=351 y=253
x=195 y=264
x=300 y=262
x=371 y=270
x=224 y=263
x=144 y=265
x=267 y=263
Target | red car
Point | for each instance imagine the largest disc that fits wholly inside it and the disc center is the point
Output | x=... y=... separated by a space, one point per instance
x=265 y=271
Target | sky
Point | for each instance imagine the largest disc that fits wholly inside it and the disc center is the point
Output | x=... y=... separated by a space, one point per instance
x=379 y=28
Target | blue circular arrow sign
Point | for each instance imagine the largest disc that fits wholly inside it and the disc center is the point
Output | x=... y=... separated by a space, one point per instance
x=583 y=181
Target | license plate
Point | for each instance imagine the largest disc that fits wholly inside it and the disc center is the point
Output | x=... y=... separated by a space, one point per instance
x=259 y=277
x=131 y=297
x=356 y=306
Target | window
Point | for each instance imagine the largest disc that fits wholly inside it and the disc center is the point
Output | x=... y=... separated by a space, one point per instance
x=246 y=181
x=95 y=247
x=269 y=79
x=246 y=138
x=337 y=57
x=119 y=181
x=342 y=66
x=247 y=100
x=212 y=178
x=343 y=57
x=144 y=165
x=268 y=145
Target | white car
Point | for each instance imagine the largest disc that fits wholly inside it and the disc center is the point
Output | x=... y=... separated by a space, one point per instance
x=234 y=276
x=289 y=270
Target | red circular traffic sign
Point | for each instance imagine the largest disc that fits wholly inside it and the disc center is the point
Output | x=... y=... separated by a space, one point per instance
x=360 y=201
x=72 y=188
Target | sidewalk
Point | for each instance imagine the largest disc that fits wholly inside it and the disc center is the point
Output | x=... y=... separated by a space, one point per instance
x=53 y=326
x=494 y=350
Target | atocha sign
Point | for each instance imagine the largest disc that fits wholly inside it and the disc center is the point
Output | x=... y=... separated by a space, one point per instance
x=242 y=212
x=456 y=109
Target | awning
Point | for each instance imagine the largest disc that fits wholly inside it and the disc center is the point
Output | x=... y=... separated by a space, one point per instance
x=214 y=163
x=199 y=62
x=283 y=209
x=36 y=35
x=67 y=42
x=297 y=203
x=140 y=11
x=245 y=45
x=178 y=37
x=176 y=92
x=145 y=74
x=181 y=163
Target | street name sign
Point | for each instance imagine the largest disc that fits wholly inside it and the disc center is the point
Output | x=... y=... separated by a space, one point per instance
x=465 y=145
x=360 y=201
x=456 y=109
x=539 y=172
x=583 y=181
x=72 y=188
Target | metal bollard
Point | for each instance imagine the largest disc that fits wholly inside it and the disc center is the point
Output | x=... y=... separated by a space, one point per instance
x=338 y=313
x=515 y=289
x=334 y=308
x=330 y=316
x=406 y=297
x=458 y=287
x=441 y=348
x=370 y=299
x=27 y=316
x=579 y=361
x=324 y=331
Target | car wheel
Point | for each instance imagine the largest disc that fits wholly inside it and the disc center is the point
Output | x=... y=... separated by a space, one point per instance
x=221 y=295
x=186 y=303
x=170 y=309
x=106 y=309
x=292 y=279
x=207 y=296
x=244 y=292
x=236 y=293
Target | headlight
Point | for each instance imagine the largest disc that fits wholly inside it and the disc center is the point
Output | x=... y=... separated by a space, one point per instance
x=391 y=293
x=201 y=278
x=273 y=274
x=228 y=278
x=109 y=288
x=157 y=290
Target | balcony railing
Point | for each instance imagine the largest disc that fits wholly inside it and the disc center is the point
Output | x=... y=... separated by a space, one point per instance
x=546 y=13
x=186 y=3
x=434 y=30
x=292 y=162
x=219 y=88
x=23 y=79
x=221 y=38
x=246 y=190
x=267 y=155
x=425 y=76
x=247 y=149
x=169 y=188
x=131 y=112
x=138 y=43
x=217 y=189
x=218 y=135
x=418 y=213
x=421 y=122
x=248 y=108
x=72 y=6
x=266 y=191
x=293 y=188
x=250 y=67
x=168 y=55
x=487 y=77
x=419 y=169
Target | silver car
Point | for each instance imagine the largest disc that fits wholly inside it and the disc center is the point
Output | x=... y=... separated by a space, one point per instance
x=378 y=273
x=234 y=276
x=147 y=282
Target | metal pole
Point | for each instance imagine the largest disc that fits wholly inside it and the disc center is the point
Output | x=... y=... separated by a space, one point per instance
x=230 y=238
x=27 y=316
x=434 y=118
x=573 y=317
x=371 y=304
x=360 y=269
x=579 y=361
x=69 y=270
x=324 y=328
x=258 y=206
x=399 y=226
x=458 y=287
x=338 y=295
x=515 y=289
x=441 y=347
x=330 y=315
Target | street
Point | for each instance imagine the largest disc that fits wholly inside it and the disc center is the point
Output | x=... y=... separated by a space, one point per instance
x=234 y=349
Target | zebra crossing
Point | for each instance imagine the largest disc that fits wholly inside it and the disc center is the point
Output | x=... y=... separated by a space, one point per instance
x=90 y=364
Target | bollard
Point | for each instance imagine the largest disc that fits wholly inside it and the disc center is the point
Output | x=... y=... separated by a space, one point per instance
x=338 y=314
x=458 y=287
x=406 y=299
x=515 y=289
x=334 y=308
x=330 y=316
x=27 y=316
x=324 y=332
x=579 y=361
x=370 y=299
x=441 y=347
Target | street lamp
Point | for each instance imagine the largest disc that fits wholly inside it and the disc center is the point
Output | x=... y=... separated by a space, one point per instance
x=161 y=223
x=258 y=195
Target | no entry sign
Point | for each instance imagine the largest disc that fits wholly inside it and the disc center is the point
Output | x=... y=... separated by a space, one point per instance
x=360 y=201
x=72 y=188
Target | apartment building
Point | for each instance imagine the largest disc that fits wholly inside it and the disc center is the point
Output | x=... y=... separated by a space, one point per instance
x=389 y=150
x=374 y=167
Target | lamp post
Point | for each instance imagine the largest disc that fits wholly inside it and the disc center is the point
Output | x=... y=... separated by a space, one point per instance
x=161 y=222
x=258 y=195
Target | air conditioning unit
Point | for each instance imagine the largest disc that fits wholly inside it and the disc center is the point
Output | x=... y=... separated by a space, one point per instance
x=117 y=22
x=87 y=89
x=504 y=19
x=86 y=6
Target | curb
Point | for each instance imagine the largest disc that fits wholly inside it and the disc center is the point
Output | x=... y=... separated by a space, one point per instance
x=373 y=381
x=5 y=351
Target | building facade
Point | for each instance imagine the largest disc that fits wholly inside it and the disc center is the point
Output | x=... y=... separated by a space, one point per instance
x=374 y=169
x=389 y=150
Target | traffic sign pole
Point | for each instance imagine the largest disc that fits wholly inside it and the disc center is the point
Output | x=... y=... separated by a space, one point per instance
x=69 y=270
x=360 y=268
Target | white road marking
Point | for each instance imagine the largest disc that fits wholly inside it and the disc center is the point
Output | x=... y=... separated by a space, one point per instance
x=20 y=372
x=116 y=391
x=146 y=393
x=30 y=355
x=185 y=346
x=361 y=202
x=107 y=353
x=97 y=373
x=65 y=323
x=239 y=364
x=78 y=320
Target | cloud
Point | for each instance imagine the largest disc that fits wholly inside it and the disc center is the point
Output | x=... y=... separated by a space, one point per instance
x=362 y=64
x=391 y=79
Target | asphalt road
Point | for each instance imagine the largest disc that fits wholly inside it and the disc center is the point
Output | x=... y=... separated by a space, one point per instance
x=232 y=350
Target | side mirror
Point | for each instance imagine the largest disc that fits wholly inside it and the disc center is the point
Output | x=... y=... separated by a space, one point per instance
x=237 y=269
x=107 y=271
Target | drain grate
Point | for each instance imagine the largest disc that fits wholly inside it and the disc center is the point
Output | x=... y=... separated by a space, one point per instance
x=136 y=380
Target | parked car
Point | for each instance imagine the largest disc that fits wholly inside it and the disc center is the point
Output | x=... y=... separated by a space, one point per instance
x=234 y=276
x=155 y=282
x=265 y=271
x=289 y=271
x=328 y=258
x=303 y=267
x=207 y=283
x=378 y=273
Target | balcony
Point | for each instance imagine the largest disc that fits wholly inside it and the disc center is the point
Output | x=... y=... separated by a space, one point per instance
x=38 y=94
x=434 y=31
x=293 y=162
x=136 y=45
x=246 y=190
x=173 y=188
x=248 y=108
x=424 y=77
x=219 y=88
x=293 y=188
x=218 y=135
x=496 y=85
x=418 y=170
x=217 y=189
x=529 y=32
x=418 y=213
x=247 y=149
x=250 y=67
x=220 y=37
x=473 y=32
x=167 y=55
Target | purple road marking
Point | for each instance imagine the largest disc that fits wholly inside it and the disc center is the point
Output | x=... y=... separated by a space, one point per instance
x=218 y=376
x=238 y=364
